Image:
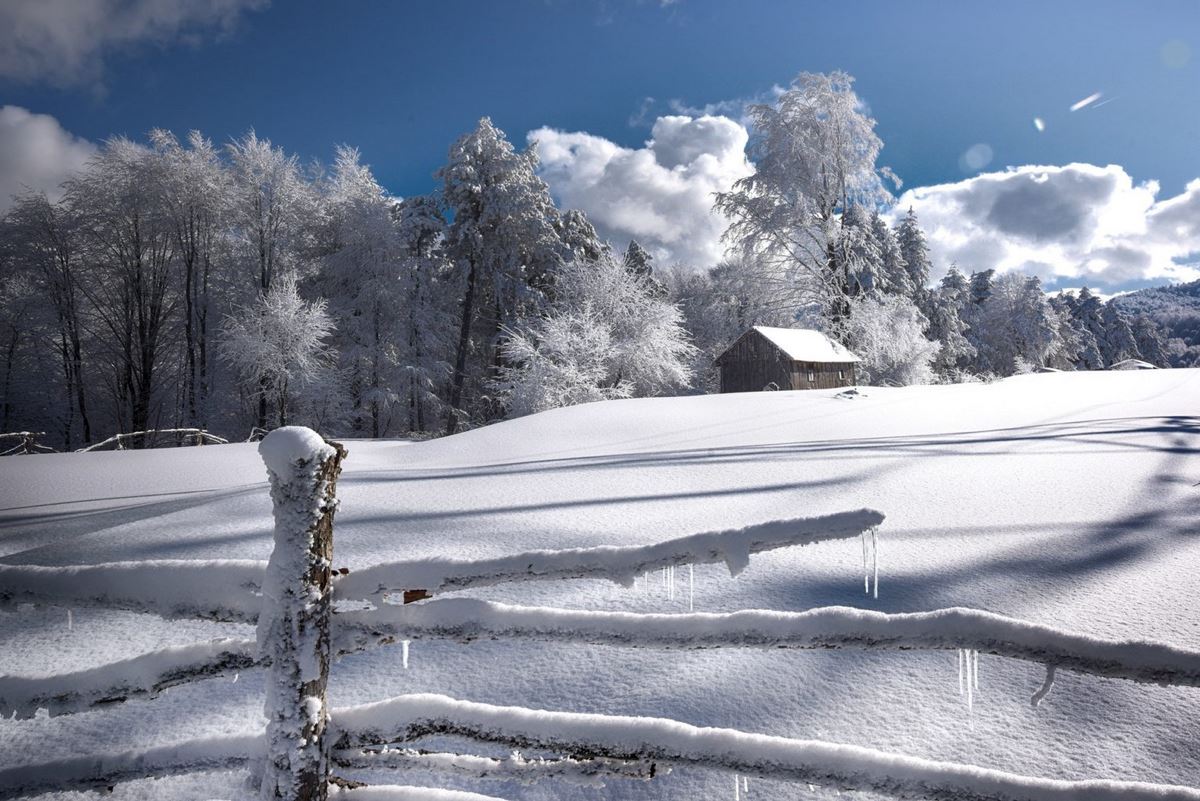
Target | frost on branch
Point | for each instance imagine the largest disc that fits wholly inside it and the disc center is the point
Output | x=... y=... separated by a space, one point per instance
x=621 y=564
x=515 y=767
x=846 y=767
x=293 y=628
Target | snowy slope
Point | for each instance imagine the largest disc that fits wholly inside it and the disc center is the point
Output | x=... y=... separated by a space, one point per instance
x=1064 y=499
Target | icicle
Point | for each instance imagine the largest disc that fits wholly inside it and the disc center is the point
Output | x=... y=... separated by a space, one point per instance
x=235 y=678
x=404 y=653
x=975 y=670
x=1045 y=688
x=737 y=787
x=960 y=671
x=866 y=575
x=746 y=785
x=875 y=560
x=970 y=684
x=691 y=588
x=70 y=621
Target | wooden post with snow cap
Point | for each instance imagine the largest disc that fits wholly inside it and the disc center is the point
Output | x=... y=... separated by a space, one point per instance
x=293 y=628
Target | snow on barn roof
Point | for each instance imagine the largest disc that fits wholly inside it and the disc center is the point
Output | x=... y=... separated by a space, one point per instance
x=806 y=345
x=1132 y=364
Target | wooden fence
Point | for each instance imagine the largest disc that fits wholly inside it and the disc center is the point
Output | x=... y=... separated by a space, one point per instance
x=307 y=748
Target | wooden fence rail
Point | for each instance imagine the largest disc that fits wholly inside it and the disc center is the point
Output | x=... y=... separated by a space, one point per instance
x=198 y=436
x=28 y=443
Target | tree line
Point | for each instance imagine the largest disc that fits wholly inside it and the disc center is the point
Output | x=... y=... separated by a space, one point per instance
x=176 y=283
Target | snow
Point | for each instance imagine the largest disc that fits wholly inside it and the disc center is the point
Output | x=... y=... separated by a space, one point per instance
x=287 y=448
x=806 y=345
x=1062 y=499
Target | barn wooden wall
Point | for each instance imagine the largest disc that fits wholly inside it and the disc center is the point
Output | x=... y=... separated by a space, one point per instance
x=754 y=362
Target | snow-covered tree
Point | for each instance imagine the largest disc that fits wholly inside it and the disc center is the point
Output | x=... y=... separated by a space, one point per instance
x=947 y=326
x=894 y=272
x=129 y=247
x=1119 y=342
x=859 y=254
x=888 y=334
x=430 y=324
x=504 y=236
x=915 y=253
x=193 y=189
x=42 y=255
x=361 y=281
x=815 y=154
x=1151 y=343
x=278 y=345
x=1087 y=316
x=608 y=334
x=1017 y=328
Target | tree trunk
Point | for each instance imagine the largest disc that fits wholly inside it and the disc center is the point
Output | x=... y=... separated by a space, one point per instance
x=460 y=357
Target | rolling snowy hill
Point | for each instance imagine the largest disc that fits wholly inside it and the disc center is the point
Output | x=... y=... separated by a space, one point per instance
x=1067 y=499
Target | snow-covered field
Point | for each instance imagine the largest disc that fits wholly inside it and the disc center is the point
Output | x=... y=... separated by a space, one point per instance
x=1065 y=499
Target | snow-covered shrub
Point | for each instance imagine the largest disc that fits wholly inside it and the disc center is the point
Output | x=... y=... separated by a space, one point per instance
x=609 y=334
x=277 y=345
x=887 y=332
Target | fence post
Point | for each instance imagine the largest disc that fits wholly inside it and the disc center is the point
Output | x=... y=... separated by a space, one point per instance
x=293 y=628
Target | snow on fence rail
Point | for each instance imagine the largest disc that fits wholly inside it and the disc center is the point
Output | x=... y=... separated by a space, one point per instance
x=28 y=443
x=198 y=435
x=292 y=599
x=844 y=767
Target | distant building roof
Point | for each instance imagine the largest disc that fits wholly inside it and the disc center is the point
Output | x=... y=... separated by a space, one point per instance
x=806 y=345
x=1132 y=364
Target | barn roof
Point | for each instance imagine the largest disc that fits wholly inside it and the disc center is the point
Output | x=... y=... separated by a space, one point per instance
x=806 y=345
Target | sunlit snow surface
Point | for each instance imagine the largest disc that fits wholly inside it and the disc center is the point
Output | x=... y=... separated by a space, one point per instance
x=1066 y=499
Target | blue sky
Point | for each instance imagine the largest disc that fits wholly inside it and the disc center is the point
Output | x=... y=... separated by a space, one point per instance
x=402 y=80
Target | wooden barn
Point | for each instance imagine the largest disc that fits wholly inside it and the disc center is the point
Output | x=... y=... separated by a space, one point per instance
x=785 y=358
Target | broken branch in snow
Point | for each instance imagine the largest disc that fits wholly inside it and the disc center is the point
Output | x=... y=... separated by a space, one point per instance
x=621 y=564
x=466 y=619
x=846 y=767
x=515 y=767
x=217 y=589
x=148 y=674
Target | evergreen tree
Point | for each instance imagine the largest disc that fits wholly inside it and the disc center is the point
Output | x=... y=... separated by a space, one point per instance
x=1151 y=343
x=1086 y=314
x=1118 y=342
x=915 y=253
x=894 y=277
x=948 y=326
x=858 y=253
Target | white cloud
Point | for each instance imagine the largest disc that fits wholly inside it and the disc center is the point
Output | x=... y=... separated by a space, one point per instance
x=1073 y=224
x=660 y=194
x=36 y=154
x=64 y=42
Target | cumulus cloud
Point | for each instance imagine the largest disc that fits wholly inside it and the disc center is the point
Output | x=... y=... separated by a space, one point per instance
x=660 y=194
x=1075 y=224
x=64 y=42
x=36 y=154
